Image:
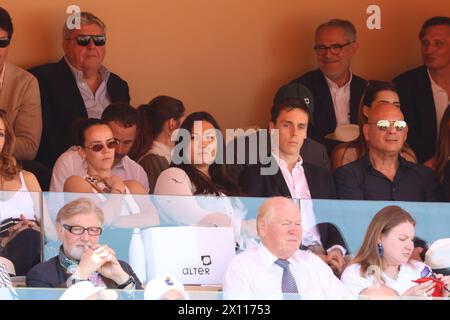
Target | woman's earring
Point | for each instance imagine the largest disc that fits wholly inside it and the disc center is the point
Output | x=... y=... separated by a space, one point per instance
x=380 y=249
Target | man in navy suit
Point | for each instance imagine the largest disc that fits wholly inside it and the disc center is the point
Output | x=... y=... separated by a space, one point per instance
x=425 y=91
x=78 y=86
x=337 y=92
x=297 y=179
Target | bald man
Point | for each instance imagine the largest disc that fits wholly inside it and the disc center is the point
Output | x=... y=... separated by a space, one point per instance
x=383 y=174
x=277 y=266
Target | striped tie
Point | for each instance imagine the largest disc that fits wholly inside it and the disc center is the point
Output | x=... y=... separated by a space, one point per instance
x=288 y=284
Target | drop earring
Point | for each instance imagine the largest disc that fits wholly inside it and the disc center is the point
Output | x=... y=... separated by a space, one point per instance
x=380 y=249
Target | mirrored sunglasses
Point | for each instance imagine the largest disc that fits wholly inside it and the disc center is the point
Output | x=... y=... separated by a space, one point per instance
x=4 y=42
x=84 y=40
x=384 y=125
x=97 y=147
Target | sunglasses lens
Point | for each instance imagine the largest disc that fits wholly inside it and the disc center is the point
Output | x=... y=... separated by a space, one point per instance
x=399 y=125
x=99 y=41
x=112 y=144
x=83 y=40
x=383 y=125
x=4 y=43
x=97 y=147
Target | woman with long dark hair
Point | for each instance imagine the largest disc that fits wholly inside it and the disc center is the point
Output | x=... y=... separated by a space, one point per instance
x=197 y=169
x=153 y=145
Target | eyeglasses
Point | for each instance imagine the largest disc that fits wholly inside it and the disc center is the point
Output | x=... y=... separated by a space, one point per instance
x=334 y=48
x=4 y=42
x=384 y=125
x=110 y=144
x=79 y=230
x=84 y=39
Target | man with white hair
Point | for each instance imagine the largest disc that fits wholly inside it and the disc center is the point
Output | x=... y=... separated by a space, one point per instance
x=81 y=257
x=277 y=266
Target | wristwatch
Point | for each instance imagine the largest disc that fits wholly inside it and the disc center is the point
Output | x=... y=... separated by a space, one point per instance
x=74 y=278
x=127 y=283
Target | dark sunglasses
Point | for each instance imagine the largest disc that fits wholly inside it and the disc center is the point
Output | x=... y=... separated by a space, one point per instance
x=4 y=42
x=97 y=147
x=384 y=125
x=84 y=39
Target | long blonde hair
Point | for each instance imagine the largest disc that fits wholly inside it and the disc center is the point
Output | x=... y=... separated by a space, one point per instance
x=387 y=218
x=9 y=168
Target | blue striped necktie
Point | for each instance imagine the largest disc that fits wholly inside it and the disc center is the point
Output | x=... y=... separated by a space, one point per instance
x=288 y=284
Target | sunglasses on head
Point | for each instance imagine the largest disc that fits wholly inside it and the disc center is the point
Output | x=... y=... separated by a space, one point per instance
x=97 y=147
x=384 y=125
x=4 y=42
x=84 y=39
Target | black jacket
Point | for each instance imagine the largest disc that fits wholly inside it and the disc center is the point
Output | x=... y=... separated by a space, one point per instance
x=417 y=104
x=62 y=104
x=324 y=115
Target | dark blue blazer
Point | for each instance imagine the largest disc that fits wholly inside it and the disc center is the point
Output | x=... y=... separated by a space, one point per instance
x=417 y=104
x=50 y=274
x=62 y=104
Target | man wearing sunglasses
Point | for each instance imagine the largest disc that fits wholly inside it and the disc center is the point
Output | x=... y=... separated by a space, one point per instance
x=122 y=119
x=383 y=174
x=19 y=97
x=336 y=91
x=78 y=86
x=425 y=91
x=81 y=257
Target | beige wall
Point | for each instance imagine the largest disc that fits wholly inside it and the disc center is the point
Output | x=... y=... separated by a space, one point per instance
x=225 y=56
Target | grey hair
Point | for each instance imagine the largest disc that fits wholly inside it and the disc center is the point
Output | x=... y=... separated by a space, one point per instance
x=346 y=25
x=85 y=19
x=271 y=206
x=79 y=206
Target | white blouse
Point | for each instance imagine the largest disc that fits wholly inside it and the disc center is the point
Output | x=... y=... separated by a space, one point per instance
x=410 y=271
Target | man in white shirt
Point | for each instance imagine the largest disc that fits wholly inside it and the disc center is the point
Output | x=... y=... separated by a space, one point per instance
x=425 y=91
x=122 y=119
x=336 y=91
x=277 y=266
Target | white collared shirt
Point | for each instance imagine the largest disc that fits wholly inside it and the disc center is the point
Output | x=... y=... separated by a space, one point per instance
x=95 y=102
x=70 y=164
x=253 y=274
x=159 y=149
x=441 y=100
x=354 y=282
x=299 y=189
x=2 y=75
x=341 y=100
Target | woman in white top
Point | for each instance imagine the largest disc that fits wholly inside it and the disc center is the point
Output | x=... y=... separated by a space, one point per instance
x=19 y=209
x=387 y=248
x=152 y=148
x=97 y=146
x=195 y=170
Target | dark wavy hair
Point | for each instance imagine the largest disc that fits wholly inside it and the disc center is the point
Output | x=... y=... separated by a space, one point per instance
x=151 y=119
x=9 y=167
x=220 y=181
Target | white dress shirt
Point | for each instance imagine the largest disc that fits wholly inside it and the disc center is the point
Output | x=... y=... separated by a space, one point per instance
x=341 y=100
x=299 y=189
x=253 y=274
x=97 y=101
x=352 y=279
x=441 y=100
x=70 y=164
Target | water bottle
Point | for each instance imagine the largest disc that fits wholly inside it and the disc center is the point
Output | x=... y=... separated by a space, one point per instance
x=137 y=255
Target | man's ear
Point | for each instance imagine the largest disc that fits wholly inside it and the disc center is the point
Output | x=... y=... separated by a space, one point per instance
x=355 y=47
x=271 y=126
x=365 y=111
x=366 y=131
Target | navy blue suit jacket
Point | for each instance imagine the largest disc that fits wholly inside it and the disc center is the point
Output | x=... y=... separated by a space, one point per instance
x=62 y=104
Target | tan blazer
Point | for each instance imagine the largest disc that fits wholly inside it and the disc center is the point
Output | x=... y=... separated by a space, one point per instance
x=20 y=98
